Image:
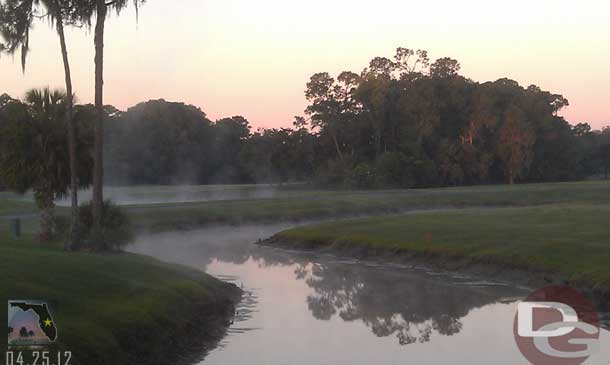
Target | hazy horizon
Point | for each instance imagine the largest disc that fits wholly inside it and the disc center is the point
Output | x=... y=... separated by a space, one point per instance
x=239 y=58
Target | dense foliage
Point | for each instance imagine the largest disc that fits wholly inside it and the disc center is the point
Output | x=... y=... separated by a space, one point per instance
x=34 y=149
x=405 y=122
x=401 y=122
x=161 y=142
x=117 y=230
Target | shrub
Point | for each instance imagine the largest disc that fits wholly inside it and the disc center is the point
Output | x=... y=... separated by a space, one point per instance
x=394 y=170
x=363 y=177
x=116 y=230
x=62 y=226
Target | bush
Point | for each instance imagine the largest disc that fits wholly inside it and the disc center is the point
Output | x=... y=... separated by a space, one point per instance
x=116 y=231
x=61 y=224
x=393 y=170
x=363 y=177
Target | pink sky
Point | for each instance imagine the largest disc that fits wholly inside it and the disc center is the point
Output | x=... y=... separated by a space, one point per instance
x=239 y=57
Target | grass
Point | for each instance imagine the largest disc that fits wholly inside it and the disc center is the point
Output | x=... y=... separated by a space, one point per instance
x=572 y=240
x=303 y=205
x=110 y=308
x=296 y=204
x=15 y=204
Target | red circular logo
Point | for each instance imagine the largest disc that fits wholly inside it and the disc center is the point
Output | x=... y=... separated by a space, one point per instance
x=557 y=325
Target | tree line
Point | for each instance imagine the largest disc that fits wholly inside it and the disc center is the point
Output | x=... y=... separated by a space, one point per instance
x=400 y=123
x=160 y=142
x=406 y=122
x=394 y=125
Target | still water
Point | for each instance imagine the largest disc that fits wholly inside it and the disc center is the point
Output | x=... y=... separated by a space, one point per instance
x=302 y=308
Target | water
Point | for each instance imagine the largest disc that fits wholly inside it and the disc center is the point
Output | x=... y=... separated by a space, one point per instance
x=303 y=308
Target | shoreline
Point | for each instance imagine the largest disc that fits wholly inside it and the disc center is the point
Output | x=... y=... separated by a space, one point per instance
x=131 y=308
x=193 y=337
x=488 y=269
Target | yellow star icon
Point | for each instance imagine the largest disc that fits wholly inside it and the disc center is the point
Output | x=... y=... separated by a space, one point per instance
x=47 y=322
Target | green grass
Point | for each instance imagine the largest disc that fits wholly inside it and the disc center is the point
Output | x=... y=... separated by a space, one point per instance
x=15 y=204
x=305 y=205
x=572 y=240
x=108 y=308
x=295 y=204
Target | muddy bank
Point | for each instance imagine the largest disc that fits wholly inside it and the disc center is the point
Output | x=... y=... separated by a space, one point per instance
x=483 y=268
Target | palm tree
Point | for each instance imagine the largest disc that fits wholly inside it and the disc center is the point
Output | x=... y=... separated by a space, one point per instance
x=16 y=18
x=101 y=10
x=48 y=109
x=97 y=202
x=59 y=21
x=33 y=154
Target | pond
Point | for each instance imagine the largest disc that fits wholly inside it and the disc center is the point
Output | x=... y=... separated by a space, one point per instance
x=305 y=308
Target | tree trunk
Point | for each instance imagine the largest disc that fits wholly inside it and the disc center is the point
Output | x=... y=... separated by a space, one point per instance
x=336 y=142
x=46 y=204
x=71 y=241
x=98 y=154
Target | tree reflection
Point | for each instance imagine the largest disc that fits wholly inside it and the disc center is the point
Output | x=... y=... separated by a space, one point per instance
x=408 y=305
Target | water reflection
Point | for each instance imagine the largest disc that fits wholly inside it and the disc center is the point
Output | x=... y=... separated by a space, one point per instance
x=304 y=309
x=407 y=303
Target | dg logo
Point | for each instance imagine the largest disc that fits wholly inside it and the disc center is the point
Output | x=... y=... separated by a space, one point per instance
x=557 y=325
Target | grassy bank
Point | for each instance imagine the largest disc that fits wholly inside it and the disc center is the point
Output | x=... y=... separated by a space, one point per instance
x=569 y=240
x=292 y=204
x=303 y=205
x=117 y=308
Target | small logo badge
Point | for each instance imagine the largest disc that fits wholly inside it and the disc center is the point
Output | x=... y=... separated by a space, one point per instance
x=557 y=326
x=30 y=323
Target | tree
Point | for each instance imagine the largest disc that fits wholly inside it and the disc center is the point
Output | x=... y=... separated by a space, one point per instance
x=325 y=108
x=442 y=128
x=230 y=134
x=405 y=62
x=160 y=142
x=101 y=11
x=71 y=12
x=23 y=332
x=16 y=17
x=581 y=129
x=604 y=152
x=33 y=154
x=98 y=129
x=444 y=67
x=515 y=143
x=59 y=11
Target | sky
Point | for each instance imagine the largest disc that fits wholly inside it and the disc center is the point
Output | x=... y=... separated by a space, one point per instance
x=253 y=58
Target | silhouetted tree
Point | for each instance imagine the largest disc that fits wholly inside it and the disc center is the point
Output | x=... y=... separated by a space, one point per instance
x=101 y=11
x=33 y=154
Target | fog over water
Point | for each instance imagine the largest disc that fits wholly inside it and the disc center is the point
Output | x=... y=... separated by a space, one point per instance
x=303 y=308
